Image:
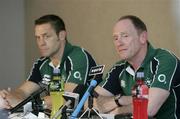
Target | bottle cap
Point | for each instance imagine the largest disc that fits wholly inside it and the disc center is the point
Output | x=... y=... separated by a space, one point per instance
x=140 y=75
x=56 y=71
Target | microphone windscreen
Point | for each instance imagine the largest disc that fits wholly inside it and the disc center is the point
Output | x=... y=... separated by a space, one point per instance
x=80 y=89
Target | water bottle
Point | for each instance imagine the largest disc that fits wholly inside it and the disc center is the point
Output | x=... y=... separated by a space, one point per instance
x=140 y=97
x=56 y=90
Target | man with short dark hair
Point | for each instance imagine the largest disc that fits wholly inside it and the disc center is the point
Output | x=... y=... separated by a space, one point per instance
x=73 y=62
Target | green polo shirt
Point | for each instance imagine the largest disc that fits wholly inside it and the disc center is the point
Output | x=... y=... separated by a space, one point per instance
x=159 y=67
x=74 y=67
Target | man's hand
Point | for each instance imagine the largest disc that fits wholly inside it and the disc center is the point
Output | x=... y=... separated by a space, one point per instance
x=47 y=102
x=3 y=99
x=106 y=104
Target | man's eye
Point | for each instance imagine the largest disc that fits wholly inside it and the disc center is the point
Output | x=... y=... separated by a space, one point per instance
x=124 y=36
x=115 y=38
x=46 y=36
x=37 y=38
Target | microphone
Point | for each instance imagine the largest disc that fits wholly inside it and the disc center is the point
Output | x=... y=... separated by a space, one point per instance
x=97 y=71
x=72 y=99
x=32 y=96
x=93 y=83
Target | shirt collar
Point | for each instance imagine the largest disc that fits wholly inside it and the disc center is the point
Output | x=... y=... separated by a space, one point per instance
x=67 y=49
x=130 y=70
x=149 y=55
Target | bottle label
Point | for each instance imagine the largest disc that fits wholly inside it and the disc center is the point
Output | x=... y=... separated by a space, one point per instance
x=55 y=85
x=141 y=91
x=144 y=91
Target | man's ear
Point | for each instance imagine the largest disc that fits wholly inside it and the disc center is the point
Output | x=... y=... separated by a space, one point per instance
x=143 y=37
x=62 y=35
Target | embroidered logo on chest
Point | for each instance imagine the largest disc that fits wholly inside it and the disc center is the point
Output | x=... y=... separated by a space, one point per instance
x=162 y=78
x=77 y=75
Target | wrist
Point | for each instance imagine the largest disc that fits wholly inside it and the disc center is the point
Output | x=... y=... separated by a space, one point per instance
x=116 y=100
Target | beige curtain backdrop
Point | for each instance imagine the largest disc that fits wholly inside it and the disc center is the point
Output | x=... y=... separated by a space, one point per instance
x=89 y=24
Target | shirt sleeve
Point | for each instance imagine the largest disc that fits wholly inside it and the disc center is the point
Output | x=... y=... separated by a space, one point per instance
x=35 y=75
x=111 y=81
x=80 y=66
x=165 y=71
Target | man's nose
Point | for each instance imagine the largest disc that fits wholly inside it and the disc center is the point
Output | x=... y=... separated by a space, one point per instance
x=119 y=39
x=42 y=41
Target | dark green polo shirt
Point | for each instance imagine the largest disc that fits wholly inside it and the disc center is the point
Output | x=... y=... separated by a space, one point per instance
x=74 y=67
x=160 y=70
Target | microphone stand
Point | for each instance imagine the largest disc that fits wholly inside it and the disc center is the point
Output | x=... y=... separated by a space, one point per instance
x=97 y=72
x=63 y=114
x=31 y=97
x=90 y=111
x=37 y=105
